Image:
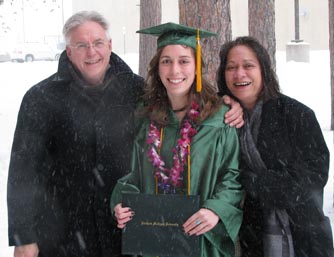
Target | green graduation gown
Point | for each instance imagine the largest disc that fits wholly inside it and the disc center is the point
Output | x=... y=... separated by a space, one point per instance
x=214 y=176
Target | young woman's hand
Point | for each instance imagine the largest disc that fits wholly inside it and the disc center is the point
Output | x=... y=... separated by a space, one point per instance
x=123 y=215
x=200 y=222
x=234 y=117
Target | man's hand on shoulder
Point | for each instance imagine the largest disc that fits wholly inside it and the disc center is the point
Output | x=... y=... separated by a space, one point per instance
x=30 y=250
x=234 y=117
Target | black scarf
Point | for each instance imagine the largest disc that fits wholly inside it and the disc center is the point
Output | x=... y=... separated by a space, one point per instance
x=93 y=93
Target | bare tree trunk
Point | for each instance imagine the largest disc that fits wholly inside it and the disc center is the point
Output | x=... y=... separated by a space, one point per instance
x=261 y=24
x=150 y=15
x=331 y=57
x=331 y=53
x=212 y=15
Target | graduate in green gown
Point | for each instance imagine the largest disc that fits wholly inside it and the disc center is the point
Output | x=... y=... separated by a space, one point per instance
x=183 y=145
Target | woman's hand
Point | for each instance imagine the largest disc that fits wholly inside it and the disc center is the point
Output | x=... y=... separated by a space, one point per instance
x=123 y=215
x=234 y=117
x=200 y=222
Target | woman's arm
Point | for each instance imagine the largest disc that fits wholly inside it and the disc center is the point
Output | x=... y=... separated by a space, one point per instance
x=233 y=117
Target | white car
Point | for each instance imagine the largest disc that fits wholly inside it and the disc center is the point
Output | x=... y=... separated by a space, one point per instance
x=4 y=56
x=29 y=52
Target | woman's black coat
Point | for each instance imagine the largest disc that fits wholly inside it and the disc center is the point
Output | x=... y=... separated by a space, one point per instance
x=293 y=149
x=69 y=149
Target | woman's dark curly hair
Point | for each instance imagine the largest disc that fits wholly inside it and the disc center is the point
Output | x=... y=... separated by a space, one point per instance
x=270 y=88
x=156 y=103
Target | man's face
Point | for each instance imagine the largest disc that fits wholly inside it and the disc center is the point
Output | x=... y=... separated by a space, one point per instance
x=89 y=51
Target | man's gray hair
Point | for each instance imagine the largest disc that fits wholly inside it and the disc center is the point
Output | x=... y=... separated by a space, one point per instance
x=79 y=18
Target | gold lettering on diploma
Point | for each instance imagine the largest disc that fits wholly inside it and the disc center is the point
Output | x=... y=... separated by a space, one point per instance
x=158 y=224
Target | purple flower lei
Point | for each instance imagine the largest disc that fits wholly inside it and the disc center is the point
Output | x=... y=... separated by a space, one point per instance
x=172 y=178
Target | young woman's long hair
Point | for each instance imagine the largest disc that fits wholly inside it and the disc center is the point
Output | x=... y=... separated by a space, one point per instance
x=271 y=87
x=155 y=98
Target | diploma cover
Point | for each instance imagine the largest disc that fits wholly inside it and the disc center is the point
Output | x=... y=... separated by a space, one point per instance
x=156 y=228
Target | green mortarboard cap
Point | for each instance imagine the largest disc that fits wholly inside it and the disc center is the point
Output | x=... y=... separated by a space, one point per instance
x=175 y=34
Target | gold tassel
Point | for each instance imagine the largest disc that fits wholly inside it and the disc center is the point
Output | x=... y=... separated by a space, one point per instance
x=198 y=64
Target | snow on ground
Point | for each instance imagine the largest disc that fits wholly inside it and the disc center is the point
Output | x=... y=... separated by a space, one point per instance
x=307 y=82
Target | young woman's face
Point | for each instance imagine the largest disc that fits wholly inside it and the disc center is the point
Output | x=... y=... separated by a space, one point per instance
x=243 y=75
x=89 y=51
x=177 y=70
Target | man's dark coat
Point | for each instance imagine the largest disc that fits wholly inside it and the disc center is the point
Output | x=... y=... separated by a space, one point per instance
x=71 y=144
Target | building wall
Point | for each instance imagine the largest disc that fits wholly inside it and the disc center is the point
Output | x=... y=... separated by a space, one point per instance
x=123 y=17
x=124 y=20
x=313 y=23
x=239 y=17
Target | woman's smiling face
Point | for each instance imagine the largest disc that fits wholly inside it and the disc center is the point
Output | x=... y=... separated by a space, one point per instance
x=177 y=70
x=243 y=75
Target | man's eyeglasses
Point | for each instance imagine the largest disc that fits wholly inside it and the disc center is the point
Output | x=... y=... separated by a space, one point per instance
x=83 y=47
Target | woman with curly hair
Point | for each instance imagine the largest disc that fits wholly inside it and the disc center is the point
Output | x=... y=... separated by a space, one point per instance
x=183 y=146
